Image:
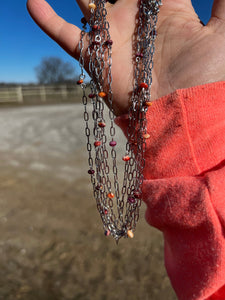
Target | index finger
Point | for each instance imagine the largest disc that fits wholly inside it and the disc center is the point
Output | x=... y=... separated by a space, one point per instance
x=65 y=34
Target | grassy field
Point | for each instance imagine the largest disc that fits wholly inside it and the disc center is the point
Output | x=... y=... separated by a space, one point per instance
x=52 y=246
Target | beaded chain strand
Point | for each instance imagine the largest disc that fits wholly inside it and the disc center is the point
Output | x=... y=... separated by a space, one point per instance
x=118 y=209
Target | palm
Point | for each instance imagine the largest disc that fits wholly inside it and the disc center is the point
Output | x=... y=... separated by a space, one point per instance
x=187 y=53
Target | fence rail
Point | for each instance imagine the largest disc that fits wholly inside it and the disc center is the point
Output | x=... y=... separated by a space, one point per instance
x=41 y=93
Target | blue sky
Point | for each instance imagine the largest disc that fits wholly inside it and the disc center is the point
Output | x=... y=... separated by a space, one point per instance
x=23 y=44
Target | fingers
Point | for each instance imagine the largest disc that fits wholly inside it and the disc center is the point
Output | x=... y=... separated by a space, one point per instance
x=65 y=34
x=83 y=4
x=218 y=9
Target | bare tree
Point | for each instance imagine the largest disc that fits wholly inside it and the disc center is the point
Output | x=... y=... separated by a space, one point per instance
x=54 y=70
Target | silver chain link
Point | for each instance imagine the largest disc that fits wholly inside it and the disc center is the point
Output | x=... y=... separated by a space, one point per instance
x=119 y=209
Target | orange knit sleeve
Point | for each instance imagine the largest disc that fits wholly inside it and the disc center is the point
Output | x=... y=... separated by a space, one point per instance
x=184 y=187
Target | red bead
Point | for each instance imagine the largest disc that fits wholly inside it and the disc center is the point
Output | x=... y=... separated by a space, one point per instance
x=105 y=211
x=97 y=143
x=101 y=124
x=95 y=27
x=126 y=158
x=80 y=81
x=143 y=85
x=133 y=142
x=137 y=195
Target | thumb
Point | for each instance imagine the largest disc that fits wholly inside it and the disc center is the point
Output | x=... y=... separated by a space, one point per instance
x=218 y=9
x=65 y=34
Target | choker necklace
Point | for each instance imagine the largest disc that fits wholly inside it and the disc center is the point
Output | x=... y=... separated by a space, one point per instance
x=118 y=208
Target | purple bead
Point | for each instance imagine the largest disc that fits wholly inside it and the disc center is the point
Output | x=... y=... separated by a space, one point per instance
x=91 y=96
x=109 y=42
x=113 y=143
x=99 y=187
x=83 y=21
x=95 y=43
x=107 y=233
x=131 y=200
x=139 y=55
x=91 y=172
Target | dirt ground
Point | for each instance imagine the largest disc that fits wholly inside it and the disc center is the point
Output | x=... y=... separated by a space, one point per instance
x=52 y=246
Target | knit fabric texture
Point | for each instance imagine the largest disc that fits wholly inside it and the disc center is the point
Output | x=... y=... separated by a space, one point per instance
x=184 y=187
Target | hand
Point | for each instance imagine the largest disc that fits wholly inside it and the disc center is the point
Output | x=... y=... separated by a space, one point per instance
x=187 y=53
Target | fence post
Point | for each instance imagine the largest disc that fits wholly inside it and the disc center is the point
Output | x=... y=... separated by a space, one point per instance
x=64 y=91
x=43 y=93
x=19 y=94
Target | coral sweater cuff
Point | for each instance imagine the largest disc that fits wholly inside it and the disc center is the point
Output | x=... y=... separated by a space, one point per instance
x=187 y=131
x=184 y=187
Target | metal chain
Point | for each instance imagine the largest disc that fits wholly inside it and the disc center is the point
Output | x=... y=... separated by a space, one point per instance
x=111 y=201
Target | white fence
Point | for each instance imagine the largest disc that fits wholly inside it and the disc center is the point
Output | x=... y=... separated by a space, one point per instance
x=40 y=92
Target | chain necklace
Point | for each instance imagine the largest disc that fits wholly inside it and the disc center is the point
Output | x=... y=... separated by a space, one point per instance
x=118 y=209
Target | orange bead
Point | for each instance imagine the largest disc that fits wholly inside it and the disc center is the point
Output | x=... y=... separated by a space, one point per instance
x=130 y=234
x=102 y=94
x=148 y=103
x=146 y=136
x=92 y=6
x=110 y=195
x=80 y=81
x=126 y=158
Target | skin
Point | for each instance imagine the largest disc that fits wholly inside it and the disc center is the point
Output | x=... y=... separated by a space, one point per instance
x=187 y=53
